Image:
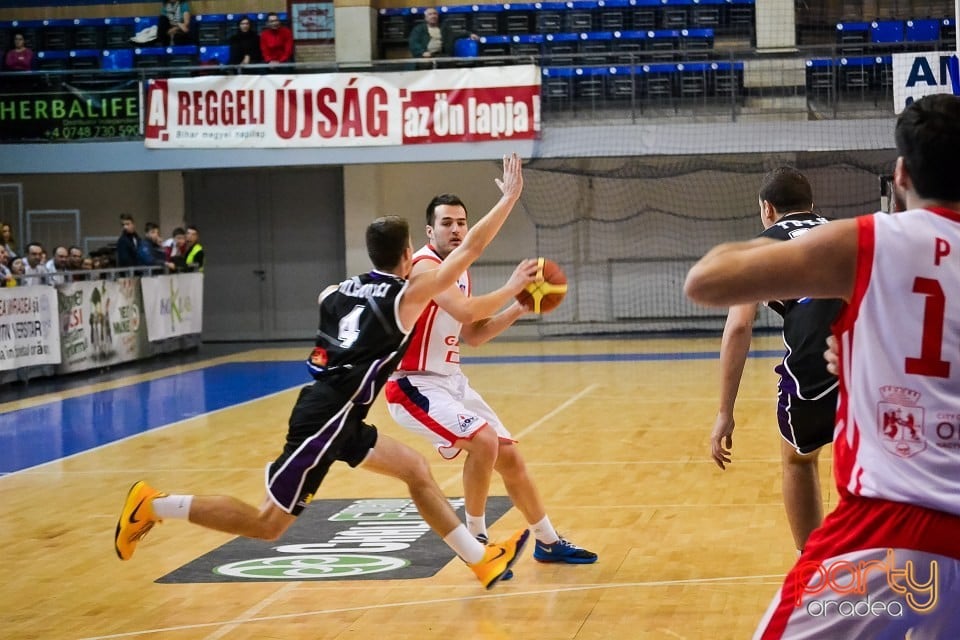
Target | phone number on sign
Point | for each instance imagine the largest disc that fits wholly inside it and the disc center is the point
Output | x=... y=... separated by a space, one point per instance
x=93 y=131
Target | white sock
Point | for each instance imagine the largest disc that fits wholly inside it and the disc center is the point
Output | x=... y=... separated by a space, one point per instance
x=176 y=507
x=465 y=545
x=477 y=525
x=544 y=531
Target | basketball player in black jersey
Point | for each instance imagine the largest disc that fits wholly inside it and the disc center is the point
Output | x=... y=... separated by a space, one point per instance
x=807 y=392
x=365 y=326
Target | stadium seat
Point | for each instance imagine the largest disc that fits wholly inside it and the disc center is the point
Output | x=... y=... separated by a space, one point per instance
x=211 y=29
x=555 y=89
x=578 y=21
x=55 y=35
x=517 y=22
x=852 y=37
x=394 y=27
x=117 y=32
x=621 y=83
x=548 y=22
x=595 y=48
x=821 y=79
x=643 y=19
x=727 y=79
x=83 y=64
x=559 y=49
x=925 y=31
x=705 y=16
x=674 y=18
x=214 y=54
x=88 y=34
x=886 y=35
x=485 y=23
x=117 y=59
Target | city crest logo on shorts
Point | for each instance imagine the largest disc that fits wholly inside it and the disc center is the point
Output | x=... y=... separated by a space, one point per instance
x=900 y=421
x=319 y=357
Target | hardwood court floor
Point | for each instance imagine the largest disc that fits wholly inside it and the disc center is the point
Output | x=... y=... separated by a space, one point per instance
x=614 y=432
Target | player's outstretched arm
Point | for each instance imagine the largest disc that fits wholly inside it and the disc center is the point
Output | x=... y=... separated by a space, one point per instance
x=820 y=264
x=734 y=347
x=424 y=286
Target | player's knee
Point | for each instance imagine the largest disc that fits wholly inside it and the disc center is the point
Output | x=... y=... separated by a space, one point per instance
x=509 y=460
x=271 y=530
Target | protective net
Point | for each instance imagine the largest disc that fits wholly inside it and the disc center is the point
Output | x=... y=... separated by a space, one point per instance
x=626 y=230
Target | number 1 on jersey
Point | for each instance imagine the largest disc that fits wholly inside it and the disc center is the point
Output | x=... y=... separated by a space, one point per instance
x=930 y=362
x=349 y=328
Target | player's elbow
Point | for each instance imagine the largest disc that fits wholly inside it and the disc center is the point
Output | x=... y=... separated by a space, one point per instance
x=699 y=288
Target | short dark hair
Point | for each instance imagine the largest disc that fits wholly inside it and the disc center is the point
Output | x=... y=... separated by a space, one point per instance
x=443 y=198
x=124 y=217
x=150 y=226
x=194 y=227
x=387 y=239
x=787 y=190
x=179 y=231
x=928 y=136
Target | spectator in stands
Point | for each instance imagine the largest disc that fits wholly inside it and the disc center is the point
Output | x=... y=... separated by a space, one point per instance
x=34 y=270
x=194 y=249
x=150 y=252
x=173 y=26
x=60 y=260
x=176 y=244
x=16 y=269
x=245 y=44
x=429 y=39
x=87 y=264
x=59 y=263
x=5 y=275
x=76 y=258
x=20 y=57
x=276 y=41
x=6 y=239
x=128 y=242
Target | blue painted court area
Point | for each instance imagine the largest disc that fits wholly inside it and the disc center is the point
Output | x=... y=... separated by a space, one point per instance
x=61 y=428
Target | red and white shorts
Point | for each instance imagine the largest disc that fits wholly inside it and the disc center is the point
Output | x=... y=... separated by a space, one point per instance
x=442 y=408
x=874 y=569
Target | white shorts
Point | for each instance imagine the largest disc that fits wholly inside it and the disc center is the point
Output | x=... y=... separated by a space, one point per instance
x=441 y=408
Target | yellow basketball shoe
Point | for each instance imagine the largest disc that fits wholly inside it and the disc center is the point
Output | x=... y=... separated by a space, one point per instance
x=136 y=519
x=499 y=557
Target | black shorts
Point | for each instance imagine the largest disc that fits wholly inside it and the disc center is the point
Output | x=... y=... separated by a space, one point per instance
x=807 y=424
x=324 y=427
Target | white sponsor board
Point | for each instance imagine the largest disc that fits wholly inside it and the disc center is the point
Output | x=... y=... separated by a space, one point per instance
x=101 y=323
x=344 y=109
x=29 y=331
x=173 y=305
x=916 y=75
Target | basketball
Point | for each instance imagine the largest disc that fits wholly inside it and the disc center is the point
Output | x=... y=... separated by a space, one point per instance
x=546 y=293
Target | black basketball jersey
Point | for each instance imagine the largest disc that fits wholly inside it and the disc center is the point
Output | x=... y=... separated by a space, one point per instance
x=806 y=322
x=359 y=341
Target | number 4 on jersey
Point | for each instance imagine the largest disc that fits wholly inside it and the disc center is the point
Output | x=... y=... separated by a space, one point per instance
x=349 y=328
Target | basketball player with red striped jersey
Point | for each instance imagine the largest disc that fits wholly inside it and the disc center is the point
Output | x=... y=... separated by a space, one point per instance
x=886 y=562
x=430 y=396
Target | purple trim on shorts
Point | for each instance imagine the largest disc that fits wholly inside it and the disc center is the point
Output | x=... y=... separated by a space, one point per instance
x=285 y=486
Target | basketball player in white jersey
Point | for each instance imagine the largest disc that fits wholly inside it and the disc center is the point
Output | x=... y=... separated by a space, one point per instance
x=430 y=395
x=886 y=562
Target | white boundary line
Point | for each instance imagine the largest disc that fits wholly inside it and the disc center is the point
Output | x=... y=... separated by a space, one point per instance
x=732 y=580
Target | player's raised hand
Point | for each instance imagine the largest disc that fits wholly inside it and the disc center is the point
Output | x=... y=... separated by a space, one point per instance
x=512 y=183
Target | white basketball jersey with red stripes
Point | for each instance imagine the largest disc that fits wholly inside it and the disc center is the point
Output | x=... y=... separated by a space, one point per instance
x=898 y=419
x=435 y=345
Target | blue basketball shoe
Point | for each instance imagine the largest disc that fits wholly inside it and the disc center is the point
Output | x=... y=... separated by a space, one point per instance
x=562 y=551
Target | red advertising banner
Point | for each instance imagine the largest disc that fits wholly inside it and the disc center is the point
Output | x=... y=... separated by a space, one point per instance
x=344 y=109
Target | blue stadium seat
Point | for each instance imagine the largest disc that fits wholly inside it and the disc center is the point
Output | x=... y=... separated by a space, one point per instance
x=116 y=59
x=927 y=30
x=117 y=32
x=887 y=35
x=214 y=54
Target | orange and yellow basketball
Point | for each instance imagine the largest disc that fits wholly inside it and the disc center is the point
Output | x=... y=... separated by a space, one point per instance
x=546 y=293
